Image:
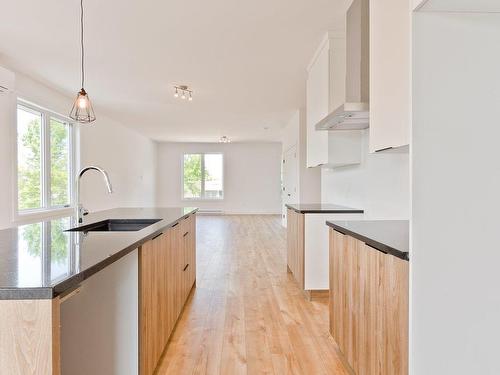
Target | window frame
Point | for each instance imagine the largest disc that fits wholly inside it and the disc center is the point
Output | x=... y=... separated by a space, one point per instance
x=203 y=198
x=46 y=209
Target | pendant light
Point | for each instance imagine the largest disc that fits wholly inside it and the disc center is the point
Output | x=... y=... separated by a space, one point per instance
x=82 y=110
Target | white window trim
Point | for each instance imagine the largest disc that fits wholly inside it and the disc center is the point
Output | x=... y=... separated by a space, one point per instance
x=203 y=179
x=22 y=216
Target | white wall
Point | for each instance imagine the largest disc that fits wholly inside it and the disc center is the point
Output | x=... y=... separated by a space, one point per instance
x=7 y=101
x=455 y=301
x=129 y=157
x=294 y=134
x=130 y=160
x=251 y=176
x=379 y=185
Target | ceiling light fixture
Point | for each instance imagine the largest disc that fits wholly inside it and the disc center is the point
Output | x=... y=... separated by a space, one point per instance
x=184 y=91
x=224 y=139
x=82 y=110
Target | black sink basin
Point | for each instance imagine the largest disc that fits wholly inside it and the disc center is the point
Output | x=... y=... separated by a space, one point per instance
x=116 y=225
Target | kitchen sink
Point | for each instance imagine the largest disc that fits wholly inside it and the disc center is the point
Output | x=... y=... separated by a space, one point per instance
x=116 y=225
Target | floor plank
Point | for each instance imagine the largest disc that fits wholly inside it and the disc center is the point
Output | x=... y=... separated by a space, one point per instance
x=247 y=315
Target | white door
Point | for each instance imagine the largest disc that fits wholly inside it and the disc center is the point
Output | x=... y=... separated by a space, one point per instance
x=290 y=179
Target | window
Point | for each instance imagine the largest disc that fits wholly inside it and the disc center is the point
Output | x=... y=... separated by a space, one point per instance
x=203 y=176
x=44 y=159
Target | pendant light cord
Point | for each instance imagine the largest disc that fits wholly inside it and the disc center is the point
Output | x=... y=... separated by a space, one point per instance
x=81 y=41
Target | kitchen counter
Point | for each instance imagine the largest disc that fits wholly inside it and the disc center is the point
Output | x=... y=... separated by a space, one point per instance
x=387 y=236
x=42 y=260
x=319 y=208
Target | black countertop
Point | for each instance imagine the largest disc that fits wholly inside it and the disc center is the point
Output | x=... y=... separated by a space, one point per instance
x=42 y=260
x=319 y=208
x=389 y=236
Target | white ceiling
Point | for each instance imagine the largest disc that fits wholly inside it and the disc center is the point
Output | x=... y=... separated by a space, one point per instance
x=244 y=59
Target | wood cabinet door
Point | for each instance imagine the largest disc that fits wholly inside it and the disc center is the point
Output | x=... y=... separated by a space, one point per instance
x=368 y=306
x=186 y=259
x=171 y=286
x=192 y=250
x=152 y=303
x=164 y=284
x=290 y=238
x=337 y=296
x=177 y=265
x=295 y=245
x=393 y=325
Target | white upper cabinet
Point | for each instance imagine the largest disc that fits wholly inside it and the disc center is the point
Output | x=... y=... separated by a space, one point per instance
x=486 y=6
x=390 y=74
x=317 y=103
x=325 y=93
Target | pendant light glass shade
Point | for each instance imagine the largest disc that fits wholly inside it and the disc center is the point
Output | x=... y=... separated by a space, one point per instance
x=82 y=110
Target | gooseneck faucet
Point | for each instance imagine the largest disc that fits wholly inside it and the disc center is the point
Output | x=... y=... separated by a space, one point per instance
x=80 y=211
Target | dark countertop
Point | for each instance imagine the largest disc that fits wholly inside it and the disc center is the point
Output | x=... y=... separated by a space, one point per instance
x=42 y=260
x=319 y=208
x=389 y=236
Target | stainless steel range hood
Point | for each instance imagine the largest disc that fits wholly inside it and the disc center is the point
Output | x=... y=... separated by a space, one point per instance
x=354 y=113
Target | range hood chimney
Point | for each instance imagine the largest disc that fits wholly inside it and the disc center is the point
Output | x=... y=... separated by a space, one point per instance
x=354 y=113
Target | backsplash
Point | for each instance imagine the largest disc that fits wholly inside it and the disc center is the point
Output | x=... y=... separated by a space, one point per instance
x=379 y=185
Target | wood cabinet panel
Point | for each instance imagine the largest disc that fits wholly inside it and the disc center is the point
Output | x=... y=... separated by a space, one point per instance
x=165 y=283
x=368 y=306
x=152 y=303
x=30 y=337
x=295 y=245
x=191 y=243
x=394 y=327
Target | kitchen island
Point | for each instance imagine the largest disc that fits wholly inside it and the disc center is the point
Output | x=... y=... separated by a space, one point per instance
x=43 y=265
x=307 y=244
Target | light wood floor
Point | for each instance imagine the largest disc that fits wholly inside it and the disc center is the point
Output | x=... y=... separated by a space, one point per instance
x=246 y=315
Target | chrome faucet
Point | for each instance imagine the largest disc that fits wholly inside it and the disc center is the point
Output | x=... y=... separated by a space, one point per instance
x=80 y=211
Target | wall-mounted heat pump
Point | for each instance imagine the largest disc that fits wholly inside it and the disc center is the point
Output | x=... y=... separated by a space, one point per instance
x=7 y=80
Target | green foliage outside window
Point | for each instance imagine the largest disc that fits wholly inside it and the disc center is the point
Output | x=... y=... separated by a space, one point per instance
x=59 y=163
x=29 y=171
x=192 y=176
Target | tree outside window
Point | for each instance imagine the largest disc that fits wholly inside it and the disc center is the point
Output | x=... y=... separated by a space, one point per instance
x=44 y=160
x=203 y=176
